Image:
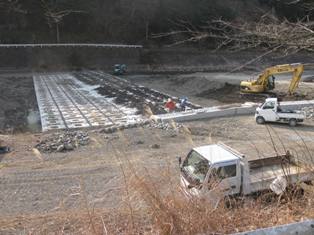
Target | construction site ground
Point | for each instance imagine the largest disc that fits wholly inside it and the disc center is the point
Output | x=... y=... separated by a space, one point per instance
x=209 y=89
x=19 y=110
x=33 y=184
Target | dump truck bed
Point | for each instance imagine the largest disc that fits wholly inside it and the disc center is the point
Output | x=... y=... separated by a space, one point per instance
x=262 y=172
x=269 y=161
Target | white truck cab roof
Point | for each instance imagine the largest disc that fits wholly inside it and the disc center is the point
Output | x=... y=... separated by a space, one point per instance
x=271 y=99
x=216 y=153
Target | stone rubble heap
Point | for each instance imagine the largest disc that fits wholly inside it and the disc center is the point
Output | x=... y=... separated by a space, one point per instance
x=113 y=129
x=309 y=111
x=164 y=126
x=62 y=142
x=146 y=124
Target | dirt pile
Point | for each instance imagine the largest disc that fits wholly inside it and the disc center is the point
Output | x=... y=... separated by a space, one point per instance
x=62 y=142
x=228 y=93
x=205 y=89
x=17 y=102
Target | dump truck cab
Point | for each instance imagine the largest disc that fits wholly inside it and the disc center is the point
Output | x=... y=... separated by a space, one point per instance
x=206 y=164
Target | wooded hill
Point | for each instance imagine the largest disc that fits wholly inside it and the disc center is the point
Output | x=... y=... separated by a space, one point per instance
x=131 y=21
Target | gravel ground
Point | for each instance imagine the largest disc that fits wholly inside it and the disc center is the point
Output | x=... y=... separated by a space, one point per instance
x=34 y=183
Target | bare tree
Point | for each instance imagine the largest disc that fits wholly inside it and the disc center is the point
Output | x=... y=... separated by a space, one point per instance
x=306 y=4
x=268 y=33
x=55 y=15
x=144 y=10
x=12 y=6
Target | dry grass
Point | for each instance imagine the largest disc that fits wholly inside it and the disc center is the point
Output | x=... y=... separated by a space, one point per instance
x=174 y=213
x=159 y=211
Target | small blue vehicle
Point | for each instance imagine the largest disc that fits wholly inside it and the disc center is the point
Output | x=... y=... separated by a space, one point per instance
x=119 y=69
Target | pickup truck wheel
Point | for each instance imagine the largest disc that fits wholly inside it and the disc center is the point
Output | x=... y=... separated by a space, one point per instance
x=260 y=120
x=292 y=122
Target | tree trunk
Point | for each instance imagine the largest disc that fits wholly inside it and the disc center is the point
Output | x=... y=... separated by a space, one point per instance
x=147 y=30
x=58 y=33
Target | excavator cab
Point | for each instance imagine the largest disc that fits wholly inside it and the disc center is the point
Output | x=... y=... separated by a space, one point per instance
x=271 y=82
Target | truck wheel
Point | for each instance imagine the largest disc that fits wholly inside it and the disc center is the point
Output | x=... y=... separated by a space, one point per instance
x=292 y=122
x=260 y=120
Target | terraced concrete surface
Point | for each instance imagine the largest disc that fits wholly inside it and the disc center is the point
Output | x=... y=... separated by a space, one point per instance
x=65 y=103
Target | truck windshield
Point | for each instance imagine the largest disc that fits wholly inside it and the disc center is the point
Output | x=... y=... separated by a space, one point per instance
x=269 y=105
x=195 y=167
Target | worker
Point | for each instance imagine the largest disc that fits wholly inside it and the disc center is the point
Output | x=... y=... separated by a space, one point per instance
x=170 y=105
x=183 y=103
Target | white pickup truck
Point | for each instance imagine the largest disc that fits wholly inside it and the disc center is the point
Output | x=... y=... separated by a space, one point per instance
x=270 y=111
x=217 y=168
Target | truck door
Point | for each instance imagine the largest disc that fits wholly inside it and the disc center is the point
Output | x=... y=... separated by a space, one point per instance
x=229 y=178
x=269 y=112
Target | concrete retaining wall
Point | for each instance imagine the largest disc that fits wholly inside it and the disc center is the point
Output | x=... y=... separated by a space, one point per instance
x=227 y=111
x=300 y=228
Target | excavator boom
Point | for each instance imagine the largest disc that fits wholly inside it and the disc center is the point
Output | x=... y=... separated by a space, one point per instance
x=296 y=79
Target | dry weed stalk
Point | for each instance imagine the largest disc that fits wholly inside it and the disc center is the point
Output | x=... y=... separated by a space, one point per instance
x=176 y=214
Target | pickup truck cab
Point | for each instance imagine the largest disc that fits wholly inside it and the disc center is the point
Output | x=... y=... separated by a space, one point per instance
x=217 y=168
x=270 y=111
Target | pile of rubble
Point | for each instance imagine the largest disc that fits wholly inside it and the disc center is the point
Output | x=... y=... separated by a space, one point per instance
x=62 y=142
x=309 y=111
x=146 y=124
x=113 y=129
x=164 y=126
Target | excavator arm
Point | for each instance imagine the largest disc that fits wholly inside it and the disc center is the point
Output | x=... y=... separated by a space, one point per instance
x=296 y=79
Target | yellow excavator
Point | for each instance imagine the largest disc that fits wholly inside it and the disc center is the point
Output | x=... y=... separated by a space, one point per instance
x=266 y=81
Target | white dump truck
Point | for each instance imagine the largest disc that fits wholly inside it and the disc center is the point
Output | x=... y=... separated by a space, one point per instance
x=270 y=111
x=217 y=168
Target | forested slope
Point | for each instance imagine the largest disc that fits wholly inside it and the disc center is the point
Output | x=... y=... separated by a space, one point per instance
x=130 y=21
